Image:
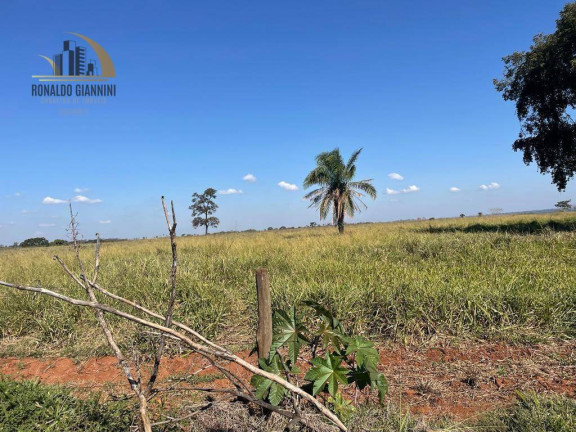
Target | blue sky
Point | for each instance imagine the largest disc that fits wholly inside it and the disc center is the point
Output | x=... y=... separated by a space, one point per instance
x=208 y=92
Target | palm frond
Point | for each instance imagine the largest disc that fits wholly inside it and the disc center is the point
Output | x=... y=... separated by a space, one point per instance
x=365 y=186
x=320 y=175
x=325 y=206
x=351 y=165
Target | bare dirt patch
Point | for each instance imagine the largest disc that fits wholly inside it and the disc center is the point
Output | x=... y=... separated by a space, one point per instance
x=436 y=382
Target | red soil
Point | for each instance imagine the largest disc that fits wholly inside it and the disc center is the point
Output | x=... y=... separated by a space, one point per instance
x=435 y=382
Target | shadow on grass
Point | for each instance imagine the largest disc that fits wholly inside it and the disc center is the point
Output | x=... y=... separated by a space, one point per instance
x=533 y=227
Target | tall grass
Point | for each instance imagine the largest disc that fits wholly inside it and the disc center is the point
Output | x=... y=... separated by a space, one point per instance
x=497 y=279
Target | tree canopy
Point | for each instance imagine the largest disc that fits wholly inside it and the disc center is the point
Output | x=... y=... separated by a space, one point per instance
x=203 y=207
x=338 y=191
x=36 y=241
x=563 y=205
x=542 y=82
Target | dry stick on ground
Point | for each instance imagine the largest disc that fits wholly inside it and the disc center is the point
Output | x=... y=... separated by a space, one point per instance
x=194 y=346
x=208 y=351
x=135 y=384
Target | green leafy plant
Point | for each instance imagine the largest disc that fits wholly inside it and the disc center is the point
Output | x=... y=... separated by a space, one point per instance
x=337 y=358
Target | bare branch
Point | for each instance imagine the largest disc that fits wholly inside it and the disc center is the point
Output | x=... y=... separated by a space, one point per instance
x=96 y=259
x=134 y=383
x=191 y=344
x=170 y=311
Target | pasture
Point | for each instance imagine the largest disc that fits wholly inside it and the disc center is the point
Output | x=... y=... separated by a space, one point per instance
x=507 y=278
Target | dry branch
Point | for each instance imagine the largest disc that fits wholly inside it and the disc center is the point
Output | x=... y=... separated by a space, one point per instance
x=205 y=347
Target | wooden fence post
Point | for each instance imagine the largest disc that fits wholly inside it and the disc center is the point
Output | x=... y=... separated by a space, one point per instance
x=264 y=330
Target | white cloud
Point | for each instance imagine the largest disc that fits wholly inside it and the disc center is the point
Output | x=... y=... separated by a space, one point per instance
x=230 y=191
x=80 y=190
x=24 y=211
x=492 y=185
x=395 y=176
x=249 y=178
x=83 y=199
x=409 y=189
x=17 y=194
x=50 y=200
x=454 y=189
x=108 y=221
x=288 y=186
x=45 y=225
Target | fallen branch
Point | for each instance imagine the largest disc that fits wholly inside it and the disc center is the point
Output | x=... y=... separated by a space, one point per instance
x=205 y=347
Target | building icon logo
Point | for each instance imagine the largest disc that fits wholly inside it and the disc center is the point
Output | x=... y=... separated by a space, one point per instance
x=72 y=64
x=80 y=74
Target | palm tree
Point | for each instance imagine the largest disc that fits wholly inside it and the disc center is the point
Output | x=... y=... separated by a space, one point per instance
x=337 y=189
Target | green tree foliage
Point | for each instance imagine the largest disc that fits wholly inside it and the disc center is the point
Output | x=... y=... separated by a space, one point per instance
x=338 y=358
x=563 y=205
x=542 y=82
x=203 y=207
x=59 y=242
x=36 y=241
x=338 y=191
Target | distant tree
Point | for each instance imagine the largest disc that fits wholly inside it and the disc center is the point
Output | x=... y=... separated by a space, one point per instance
x=542 y=82
x=337 y=192
x=496 y=210
x=282 y=227
x=313 y=224
x=270 y=228
x=479 y=214
x=36 y=241
x=563 y=205
x=462 y=215
x=203 y=207
x=58 y=242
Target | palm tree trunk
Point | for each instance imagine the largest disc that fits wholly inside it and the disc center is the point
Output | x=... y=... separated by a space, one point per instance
x=339 y=216
x=341 y=224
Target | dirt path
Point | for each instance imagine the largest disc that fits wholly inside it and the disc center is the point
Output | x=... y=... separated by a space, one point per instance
x=458 y=383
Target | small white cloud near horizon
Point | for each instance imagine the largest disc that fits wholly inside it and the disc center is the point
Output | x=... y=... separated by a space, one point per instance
x=395 y=176
x=49 y=200
x=251 y=178
x=492 y=185
x=83 y=199
x=230 y=191
x=287 y=186
x=454 y=189
x=108 y=221
x=80 y=190
x=409 y=189
x=46 y=225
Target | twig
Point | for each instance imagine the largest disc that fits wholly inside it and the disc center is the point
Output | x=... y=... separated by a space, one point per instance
x=96 y=259
x=134 y=384
x=170 y=311
x=202 y=349
x=208 y=350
